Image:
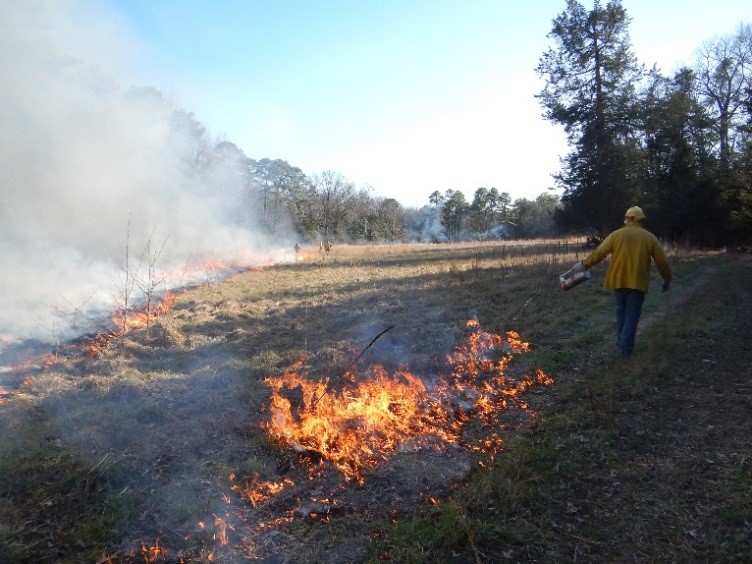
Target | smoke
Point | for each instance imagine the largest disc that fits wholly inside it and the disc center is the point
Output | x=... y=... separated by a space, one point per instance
x=95 y=172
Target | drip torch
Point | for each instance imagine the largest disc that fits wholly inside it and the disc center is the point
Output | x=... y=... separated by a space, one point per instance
x=570 y=278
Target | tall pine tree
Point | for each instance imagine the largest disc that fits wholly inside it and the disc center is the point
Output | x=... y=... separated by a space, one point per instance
x=590 y=77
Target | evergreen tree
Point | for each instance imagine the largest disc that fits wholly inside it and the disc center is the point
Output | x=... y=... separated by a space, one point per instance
x=453 y=212
x=590 y=76
x=677 y=137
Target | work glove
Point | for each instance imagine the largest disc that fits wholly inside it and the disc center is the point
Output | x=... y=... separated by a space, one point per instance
x=666 y=286
x=578 y=267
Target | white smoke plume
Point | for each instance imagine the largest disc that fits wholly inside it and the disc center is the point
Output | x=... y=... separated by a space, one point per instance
x=88 y=164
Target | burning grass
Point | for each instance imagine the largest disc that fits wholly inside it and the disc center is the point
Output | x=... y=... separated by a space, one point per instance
x=359 y=426
x=201 y=439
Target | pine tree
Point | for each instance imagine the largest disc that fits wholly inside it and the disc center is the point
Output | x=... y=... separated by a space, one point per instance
x=590 y=75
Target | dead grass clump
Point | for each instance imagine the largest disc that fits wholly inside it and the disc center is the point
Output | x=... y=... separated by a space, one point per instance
x=164 y=335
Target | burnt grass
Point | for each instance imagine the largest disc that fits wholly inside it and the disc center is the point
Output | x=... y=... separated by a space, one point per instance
x=145 y=452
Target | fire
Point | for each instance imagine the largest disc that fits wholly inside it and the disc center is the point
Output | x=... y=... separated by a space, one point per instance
x=153 y=553
x=147 y=554
x=258 y=491
x=356 y=428
x=276 y=523
x=135 y=320
x=221 y=535
x=131 y=320
x=125 y=322
x=359 y=427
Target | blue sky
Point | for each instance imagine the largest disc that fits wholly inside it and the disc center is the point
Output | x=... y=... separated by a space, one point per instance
x=406 y=96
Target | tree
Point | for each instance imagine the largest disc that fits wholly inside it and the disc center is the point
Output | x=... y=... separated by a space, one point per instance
x=390 y=222
x=191 y=140
x=227 y=172
x=330 y=191
x=504 y=205
x=483 y=209
x=305 y=211
x=589 y=90
x=535 y=218
x=361 y=215
x=741 y=215
x=453 y=212
x=436 y=199
x=678 y=138
x=724 y=69
x=281 y=187
x=725 y=76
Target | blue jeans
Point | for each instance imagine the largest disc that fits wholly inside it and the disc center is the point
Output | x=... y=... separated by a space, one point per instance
x=628 y=309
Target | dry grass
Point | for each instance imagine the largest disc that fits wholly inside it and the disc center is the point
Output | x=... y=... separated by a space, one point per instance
x=641 y=461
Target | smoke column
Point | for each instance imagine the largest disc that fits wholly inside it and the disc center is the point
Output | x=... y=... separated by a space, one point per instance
x=88 y=164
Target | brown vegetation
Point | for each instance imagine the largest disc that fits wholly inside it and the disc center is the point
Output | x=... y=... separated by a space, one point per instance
x=155 y=451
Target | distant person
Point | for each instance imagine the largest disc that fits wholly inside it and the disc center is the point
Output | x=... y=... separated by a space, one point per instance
x=632 y=247
x=297 y=251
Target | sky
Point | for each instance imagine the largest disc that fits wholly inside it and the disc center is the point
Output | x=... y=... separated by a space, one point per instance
x=402 y=97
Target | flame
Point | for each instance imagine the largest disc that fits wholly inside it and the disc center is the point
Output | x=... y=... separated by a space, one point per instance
x=258 y=491
x=131 y=320
x=221 y=535
x=277 y=523
x=125 y=322
x=98 y=343
x=135 y=320
x=147 y=554
x=359 y=427
x=153 y=553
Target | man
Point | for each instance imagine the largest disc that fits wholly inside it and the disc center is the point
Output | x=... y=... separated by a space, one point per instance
x=632 y=247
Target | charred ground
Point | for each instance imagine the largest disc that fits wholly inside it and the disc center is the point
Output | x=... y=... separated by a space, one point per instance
x=147 y=451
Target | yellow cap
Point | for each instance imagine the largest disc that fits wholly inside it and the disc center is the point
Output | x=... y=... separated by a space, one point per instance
x=635 y=212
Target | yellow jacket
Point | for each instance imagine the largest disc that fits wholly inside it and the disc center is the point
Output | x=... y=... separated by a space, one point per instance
x=631 y=248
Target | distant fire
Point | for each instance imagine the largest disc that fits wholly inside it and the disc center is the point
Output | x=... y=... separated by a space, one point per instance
x=94 y=344
x=360 y=426
x=125 y=322
x=135 y=320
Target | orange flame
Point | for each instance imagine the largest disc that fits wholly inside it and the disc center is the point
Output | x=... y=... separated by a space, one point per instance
x=153 y=553
x=127 y=322
x=221 y=535
x=258 y=491
x=139 y=319
x=359 y=427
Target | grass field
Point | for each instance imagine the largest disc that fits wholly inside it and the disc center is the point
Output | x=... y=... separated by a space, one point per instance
x=157 y=450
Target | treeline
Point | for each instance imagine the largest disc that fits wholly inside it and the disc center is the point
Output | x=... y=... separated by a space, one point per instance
x=275 y=198
x=490 y=215
x=270 y=196
x=678 y=145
